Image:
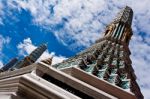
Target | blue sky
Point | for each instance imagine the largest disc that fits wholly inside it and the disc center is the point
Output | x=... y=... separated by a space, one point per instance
x=70 y=26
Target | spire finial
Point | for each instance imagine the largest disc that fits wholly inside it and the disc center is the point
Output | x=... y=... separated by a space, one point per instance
x=125 y=16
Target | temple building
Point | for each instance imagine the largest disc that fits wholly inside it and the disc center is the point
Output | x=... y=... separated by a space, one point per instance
x=102 y=71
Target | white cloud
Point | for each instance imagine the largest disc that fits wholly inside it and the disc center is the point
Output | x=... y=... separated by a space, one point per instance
x=26 y=47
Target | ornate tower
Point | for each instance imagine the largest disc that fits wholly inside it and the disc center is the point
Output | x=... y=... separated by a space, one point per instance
x=32 y=57
x=9 y=64
x=108 y=59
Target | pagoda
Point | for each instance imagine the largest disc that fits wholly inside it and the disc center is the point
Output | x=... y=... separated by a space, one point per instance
x=108 y=59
